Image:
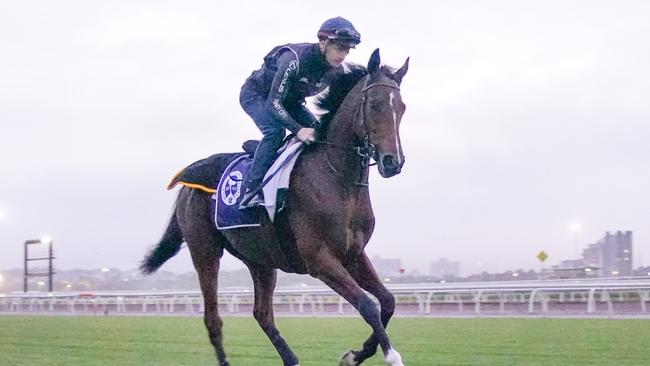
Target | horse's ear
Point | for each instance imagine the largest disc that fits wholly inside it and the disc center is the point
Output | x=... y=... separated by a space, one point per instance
x=373 y=63
x=399 y=74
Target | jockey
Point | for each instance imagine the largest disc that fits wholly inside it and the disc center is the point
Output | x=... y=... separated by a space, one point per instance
x=274 y=95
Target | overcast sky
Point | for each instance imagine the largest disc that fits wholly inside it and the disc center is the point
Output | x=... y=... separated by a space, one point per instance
x=522 y=117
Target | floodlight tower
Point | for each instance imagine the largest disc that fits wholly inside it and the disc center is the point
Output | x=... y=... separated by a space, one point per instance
x=46 y=240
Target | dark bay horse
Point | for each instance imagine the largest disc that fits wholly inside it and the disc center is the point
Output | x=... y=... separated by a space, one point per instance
x=327 y=222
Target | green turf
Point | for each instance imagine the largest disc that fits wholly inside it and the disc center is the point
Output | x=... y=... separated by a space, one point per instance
x=44 y=340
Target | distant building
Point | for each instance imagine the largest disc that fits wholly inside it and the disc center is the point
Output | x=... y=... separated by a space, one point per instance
x=574 y=268
x=592 y=256
x=569 y=264
x=612 y=254
x=609 y=256
x=387 y=266
x=443 y=268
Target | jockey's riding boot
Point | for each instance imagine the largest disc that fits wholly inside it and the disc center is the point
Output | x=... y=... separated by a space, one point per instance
x=264 y=156
x=249 y=200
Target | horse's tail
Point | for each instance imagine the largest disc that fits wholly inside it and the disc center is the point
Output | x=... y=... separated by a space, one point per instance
x=167 y=247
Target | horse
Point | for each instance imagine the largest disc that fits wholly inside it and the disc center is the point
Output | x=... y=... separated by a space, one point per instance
x=325 y=225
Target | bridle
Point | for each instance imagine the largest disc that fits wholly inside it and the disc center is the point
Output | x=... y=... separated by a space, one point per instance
x=366 y=150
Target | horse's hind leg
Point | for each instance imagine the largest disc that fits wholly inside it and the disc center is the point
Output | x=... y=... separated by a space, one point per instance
x=206 y=247
x=332 y=272
x=207 y=267
x=264 y=279
x=364 y=274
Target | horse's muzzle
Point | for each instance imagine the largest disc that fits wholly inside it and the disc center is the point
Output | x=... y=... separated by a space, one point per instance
x=389 y=166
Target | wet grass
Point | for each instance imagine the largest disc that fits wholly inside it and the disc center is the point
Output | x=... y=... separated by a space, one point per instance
x=47 y=340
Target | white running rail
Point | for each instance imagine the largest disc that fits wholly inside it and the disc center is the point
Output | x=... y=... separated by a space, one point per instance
x=609 y=296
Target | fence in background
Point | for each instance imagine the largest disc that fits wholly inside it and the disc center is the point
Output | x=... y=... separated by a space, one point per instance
x=606 y=296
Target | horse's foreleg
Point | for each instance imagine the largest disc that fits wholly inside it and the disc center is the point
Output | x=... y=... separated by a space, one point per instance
x=336 y=276
x=264 y=281
x=207 y=267
x=364 y=274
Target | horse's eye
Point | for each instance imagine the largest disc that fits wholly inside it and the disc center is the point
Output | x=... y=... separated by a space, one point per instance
x=375 y=106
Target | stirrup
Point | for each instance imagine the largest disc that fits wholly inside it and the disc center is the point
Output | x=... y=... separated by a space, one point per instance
x=248 y=200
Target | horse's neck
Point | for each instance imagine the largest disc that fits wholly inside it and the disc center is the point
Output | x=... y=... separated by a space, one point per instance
x=341 y=129
x=345 y=163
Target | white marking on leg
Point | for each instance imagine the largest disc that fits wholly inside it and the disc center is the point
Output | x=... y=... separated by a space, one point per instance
x=393 y=358
x=392 y=107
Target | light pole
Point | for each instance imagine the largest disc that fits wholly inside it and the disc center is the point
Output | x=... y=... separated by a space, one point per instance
x=46 y=240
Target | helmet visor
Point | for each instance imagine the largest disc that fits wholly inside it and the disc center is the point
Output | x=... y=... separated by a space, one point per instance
x=347 y=35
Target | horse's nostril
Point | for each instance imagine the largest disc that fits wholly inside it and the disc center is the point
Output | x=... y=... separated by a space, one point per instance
x=388 y=162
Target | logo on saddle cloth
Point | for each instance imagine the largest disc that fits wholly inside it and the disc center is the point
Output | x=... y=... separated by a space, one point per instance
x=231 y=187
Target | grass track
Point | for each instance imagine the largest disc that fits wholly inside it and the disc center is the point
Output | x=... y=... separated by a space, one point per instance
x=148 y=341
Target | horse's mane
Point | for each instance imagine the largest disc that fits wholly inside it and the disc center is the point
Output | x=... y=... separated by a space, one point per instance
x=339 y=87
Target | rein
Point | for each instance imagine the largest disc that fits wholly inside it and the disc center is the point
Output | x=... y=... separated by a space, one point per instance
x=366 y=150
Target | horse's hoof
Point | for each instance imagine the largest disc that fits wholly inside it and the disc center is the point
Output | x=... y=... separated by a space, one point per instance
x=393 y=358
x=348 y=359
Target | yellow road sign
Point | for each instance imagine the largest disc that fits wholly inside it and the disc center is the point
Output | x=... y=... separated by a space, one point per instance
x=542 y=256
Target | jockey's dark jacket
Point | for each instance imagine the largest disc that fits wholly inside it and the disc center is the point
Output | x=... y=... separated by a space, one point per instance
x=289 y=74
